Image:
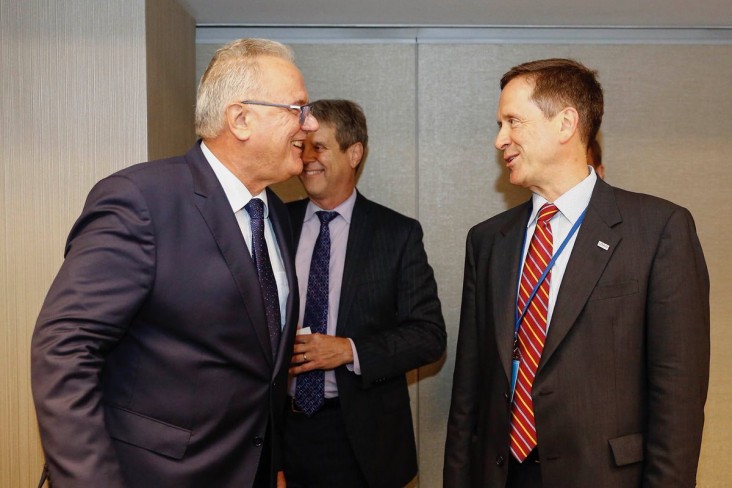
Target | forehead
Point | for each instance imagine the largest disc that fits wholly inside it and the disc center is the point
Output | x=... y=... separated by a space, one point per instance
x=282 y=79
x=325 y=134
x=516 y=96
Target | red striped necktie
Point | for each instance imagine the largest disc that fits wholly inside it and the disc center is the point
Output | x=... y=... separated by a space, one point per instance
x=532 y=333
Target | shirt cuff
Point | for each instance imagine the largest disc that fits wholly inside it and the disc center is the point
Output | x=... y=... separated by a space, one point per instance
x=355 y=366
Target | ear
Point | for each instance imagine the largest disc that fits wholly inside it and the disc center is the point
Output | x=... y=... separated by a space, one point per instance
x=238 y=121
x=568 y=120
x=355 y=154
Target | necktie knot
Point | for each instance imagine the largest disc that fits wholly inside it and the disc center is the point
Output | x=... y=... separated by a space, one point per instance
x=255 y=209
x=326 y=217
x=546 y=212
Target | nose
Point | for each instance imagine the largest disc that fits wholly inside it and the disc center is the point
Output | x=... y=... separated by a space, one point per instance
x=310 y=124
x=502 y=140
x=308 y=152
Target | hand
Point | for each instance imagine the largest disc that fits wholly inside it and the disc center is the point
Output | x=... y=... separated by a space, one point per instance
x=281 y=483
x=320 y=351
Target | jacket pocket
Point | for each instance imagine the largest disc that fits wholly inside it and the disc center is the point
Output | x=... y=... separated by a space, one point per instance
x=146 y=432
x=627 y=449
x=613 y=290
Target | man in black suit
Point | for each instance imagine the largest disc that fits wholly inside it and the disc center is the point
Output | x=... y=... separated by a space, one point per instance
x=378 y=316
x=160 y=356
x=612 y=357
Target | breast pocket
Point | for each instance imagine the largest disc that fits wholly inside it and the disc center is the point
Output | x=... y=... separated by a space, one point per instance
x=605 y=291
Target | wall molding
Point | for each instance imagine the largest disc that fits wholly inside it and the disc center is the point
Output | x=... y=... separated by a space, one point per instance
x=323 y=34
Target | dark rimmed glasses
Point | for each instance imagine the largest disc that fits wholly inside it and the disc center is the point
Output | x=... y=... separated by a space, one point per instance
x=304 y=110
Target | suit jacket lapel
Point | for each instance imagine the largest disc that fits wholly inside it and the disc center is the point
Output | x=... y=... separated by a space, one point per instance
x=279 y=219
x=297 y=217
x=214 y=207
x=504 y=271
x=586 y=264
x=359 y=236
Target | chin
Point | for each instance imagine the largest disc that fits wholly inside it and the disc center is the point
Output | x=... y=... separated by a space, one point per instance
x=312 y=190
x=295 y=168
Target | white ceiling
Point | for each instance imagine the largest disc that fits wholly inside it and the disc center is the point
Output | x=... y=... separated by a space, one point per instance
x=605 y=13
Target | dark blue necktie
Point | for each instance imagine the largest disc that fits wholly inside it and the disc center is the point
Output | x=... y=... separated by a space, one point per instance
x=310 y=387
x=267 y=282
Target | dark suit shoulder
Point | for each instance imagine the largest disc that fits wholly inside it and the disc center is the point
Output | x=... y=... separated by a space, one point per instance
x=364 y=207
x=384 y=212
x=626 y=198
x=296 y=207
x=648 y=212
x=171 y=164
x=153 y=172
x=500 y=222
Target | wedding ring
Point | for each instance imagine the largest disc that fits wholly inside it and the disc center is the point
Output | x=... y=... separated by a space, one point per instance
x=304 y=357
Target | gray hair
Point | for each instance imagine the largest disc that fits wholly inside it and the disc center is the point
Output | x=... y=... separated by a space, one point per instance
x=232 y=74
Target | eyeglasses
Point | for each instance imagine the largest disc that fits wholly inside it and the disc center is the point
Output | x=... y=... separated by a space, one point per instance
x=303 y=109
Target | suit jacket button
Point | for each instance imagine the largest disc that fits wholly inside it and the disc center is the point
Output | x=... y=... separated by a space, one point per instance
x=258 y=441
x=499 y=461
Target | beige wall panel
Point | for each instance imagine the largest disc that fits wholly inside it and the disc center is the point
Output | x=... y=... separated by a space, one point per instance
x=381 y=78
x=668 y=117
x=171 y=83
x=460 y=185
x=73 y=110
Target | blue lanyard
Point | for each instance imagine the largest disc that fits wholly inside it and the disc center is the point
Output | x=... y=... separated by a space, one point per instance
x=519 y=318
x=543 y=276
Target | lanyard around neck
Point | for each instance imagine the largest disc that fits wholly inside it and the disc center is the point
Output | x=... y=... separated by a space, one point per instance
x=573 y=230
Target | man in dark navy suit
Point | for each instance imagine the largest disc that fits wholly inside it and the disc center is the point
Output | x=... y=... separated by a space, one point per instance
x=160 y=356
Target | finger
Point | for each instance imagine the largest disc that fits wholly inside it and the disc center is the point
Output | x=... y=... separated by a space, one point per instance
x=301 y=368
x=299 y=358
x=303 y=338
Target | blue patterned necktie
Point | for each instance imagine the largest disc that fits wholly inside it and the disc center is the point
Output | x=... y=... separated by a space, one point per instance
x=267 y=283
x=310 y=386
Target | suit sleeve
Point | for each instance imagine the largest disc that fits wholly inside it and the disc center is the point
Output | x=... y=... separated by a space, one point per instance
x=419 y=336
x=464 y=404
x=678 y=355
x=106 y=274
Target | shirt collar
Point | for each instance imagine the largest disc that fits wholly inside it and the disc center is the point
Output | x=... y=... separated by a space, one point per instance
x=345 y=209
x=236 y=192
x=572 y=203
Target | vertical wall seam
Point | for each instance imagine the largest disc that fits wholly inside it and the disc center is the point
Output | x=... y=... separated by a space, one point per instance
x=417 y=215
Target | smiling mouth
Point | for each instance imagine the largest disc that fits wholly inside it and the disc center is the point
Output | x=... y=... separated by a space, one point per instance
x=509 y=159
x=297 y=144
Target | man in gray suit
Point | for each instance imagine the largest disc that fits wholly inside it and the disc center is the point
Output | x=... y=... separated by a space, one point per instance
x=160 y=356
x=595 y=299
x=370 y=304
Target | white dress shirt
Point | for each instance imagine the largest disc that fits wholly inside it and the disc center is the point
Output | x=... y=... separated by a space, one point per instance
x=571 y=205
x=238 y=197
